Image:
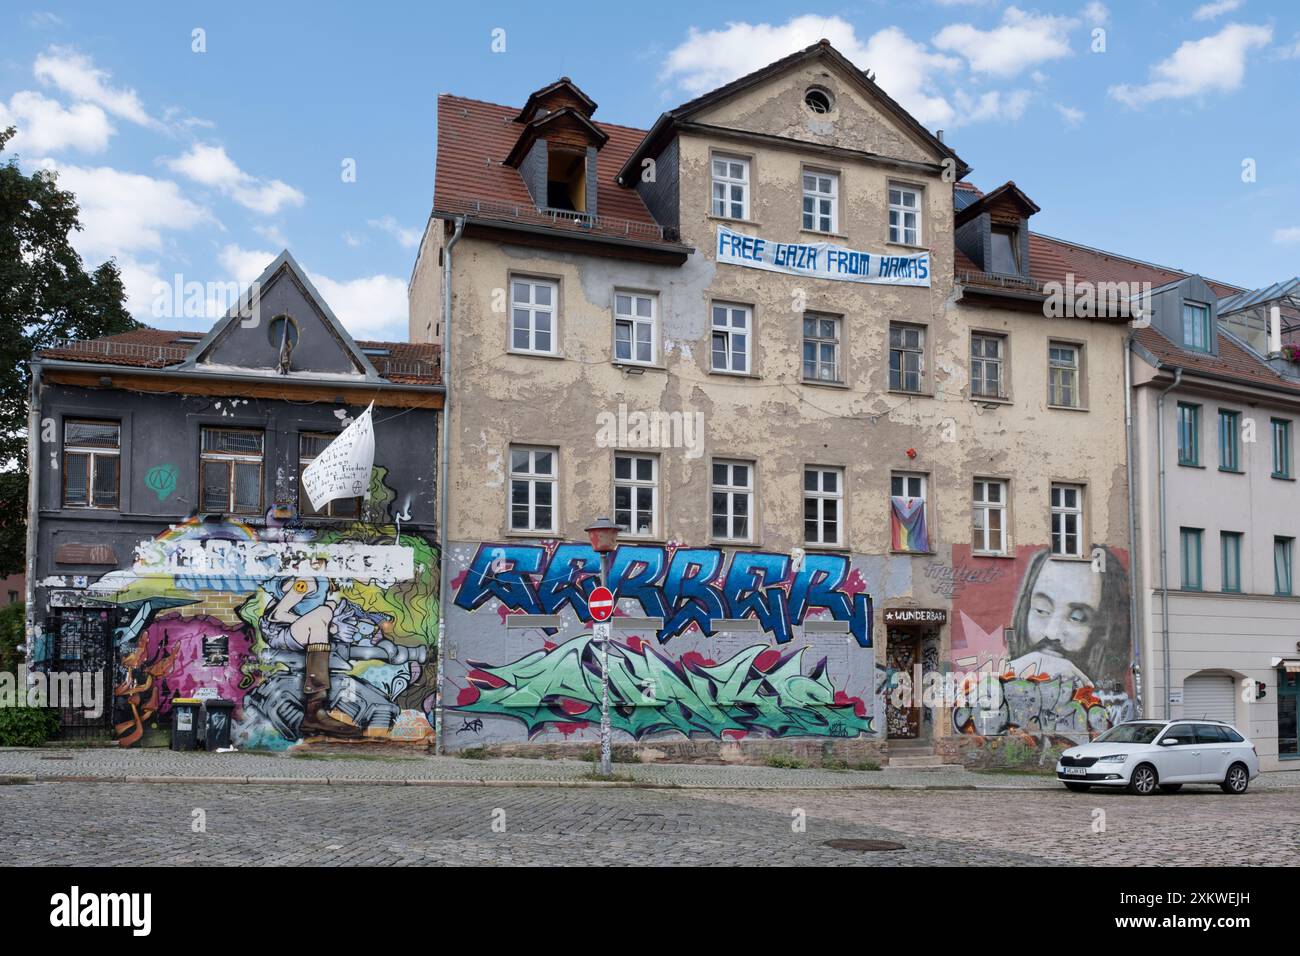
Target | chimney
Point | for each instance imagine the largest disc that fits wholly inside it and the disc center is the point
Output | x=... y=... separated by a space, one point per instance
x=1274 y=330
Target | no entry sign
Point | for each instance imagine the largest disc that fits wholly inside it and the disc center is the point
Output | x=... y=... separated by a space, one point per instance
x=601 y=604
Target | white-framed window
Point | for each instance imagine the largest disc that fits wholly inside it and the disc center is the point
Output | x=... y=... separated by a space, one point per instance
x=904 y=215
x=532 y=488
x=907 y=484
x=821 y=200
x=311 y=444
x=230 y=470
x=733 y=500
x=92 y=463
x=1067 y=520
x=823 y=506
x=906 y=357
x=987 y=356
x=1063 y=375
x=989 y=516
x=636 y=494
x=635 y=335
x=730 y=187
x=821 y=347
x=732 y=327
x=532 y=315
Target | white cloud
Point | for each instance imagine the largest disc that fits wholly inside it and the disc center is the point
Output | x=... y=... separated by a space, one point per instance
x=211 y=166
x=353 y=240
x=371 y=307
x=1096 y=14
x=903 y=68
x=47 y=126
x=1212 y=64
x=125 y=212
x=1021 y=40
x=272 y=234
x=408 y=238
x=1208 y=11
x=41 y=19
x=1072 y=116
x=992 y=105
x=1287 y=236
x=77 y=76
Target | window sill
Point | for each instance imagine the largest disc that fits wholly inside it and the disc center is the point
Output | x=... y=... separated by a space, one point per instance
x=540 y=535
x=991 y=399
x=735 y=222
x=724 y=372
x=541 y=355
x=1078 y=558
x=823 y=235
x=1068 y=408
x=904 y=391
x=995 y=555
x=635 y=367
x=826 y=548
x=822 y=383
x=1231 y=471
x=1190 y=464
x=907 y=245
x=733 y=542
x=1282 y=477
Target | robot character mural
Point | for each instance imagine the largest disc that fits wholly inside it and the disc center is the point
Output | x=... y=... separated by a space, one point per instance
x=318 y=642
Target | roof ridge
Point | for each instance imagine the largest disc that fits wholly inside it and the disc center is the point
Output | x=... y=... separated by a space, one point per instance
x=1133 y=259
x=515 y=109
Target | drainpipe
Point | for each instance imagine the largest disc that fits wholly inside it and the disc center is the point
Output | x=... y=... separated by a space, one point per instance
x=1164 y=539
x=443 y=490
x=33 y=507
x=1134 y=564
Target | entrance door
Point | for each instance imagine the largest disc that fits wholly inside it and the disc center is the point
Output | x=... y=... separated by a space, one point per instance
x=82 y=645
x=902 y=651
x=1288 y=692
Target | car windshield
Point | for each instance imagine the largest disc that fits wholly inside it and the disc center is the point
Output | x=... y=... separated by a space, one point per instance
x=1131 y=734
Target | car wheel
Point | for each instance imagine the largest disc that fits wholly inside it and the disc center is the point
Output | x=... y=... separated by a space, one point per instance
x=1170 y=787
x=1144 y=780
x=1237 y=780
x=1079 y=787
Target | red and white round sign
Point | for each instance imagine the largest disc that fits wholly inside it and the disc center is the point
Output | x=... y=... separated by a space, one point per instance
x=601 y=604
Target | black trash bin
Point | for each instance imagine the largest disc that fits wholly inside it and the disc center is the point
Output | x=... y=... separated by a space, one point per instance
x=217 y=714
x=185 y=721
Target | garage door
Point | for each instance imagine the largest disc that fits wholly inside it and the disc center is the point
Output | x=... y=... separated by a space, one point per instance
x=1210 y=695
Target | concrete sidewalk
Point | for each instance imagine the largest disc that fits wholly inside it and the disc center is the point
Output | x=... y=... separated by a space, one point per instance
x=111 y=764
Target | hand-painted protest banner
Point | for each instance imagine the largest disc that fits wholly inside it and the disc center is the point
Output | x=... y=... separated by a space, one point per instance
x=822 y=260
x=342 y=470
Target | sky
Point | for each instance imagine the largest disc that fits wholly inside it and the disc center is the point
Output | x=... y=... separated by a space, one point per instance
x=203 y=138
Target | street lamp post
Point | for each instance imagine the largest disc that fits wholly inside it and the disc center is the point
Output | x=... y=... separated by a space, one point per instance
x=604 y=541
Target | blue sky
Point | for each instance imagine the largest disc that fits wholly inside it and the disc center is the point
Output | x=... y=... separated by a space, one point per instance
x=205 y=164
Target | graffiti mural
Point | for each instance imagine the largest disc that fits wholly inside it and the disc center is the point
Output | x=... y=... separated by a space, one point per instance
x=322 y=632
x=760 y=691
x=1059 y=644
x=725 y=665
x=689 y=588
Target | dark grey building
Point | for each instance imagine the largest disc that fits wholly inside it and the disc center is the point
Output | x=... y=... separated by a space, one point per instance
x=173 y=552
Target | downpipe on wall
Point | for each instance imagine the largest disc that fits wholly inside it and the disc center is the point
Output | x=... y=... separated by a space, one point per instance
x=33 y=500
x=1164 y=541
x=1134 y=563
x=443 y=490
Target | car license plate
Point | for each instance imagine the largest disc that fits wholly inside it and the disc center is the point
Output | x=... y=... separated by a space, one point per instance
x=1074 y=771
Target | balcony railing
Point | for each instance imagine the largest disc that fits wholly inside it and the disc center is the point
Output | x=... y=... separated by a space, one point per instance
x=996 y=280
x=158 y=355
x=558 y=218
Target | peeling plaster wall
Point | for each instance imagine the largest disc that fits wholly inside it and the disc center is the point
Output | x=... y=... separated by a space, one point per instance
x=770 y=416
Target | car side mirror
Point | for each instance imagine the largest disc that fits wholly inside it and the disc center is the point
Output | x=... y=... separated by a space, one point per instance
x=1167 y=741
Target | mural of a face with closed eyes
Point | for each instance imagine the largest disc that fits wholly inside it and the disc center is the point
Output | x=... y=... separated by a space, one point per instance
x=1071 y=617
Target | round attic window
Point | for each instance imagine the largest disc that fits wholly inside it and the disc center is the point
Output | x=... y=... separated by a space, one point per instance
x=275 y=330
x=818 y=100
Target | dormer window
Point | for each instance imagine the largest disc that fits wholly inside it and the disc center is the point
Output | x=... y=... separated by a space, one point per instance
x=1004 y=256
x=1196 y=326
x=566 y=180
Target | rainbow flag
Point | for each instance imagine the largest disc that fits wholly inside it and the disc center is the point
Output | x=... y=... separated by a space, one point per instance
x=907 y=524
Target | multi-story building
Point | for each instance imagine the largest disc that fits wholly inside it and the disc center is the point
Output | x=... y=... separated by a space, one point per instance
x=172 y=553
x=816 y=383
x=1216 y=401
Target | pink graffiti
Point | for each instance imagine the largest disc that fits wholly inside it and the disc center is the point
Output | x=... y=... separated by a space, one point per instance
x=182 y=639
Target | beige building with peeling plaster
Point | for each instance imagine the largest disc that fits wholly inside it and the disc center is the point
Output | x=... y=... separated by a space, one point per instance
x=808 y=420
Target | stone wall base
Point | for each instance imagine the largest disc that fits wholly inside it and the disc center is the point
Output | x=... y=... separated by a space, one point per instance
x=812 y=752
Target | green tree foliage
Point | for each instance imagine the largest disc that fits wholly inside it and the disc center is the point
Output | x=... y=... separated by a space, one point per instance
x=46 y=294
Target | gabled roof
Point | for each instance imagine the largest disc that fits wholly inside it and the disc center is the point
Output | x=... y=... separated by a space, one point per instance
x=563 y=85
x=1234 y=361
x=822 y=49
x=1007 y=192
x=537 y=128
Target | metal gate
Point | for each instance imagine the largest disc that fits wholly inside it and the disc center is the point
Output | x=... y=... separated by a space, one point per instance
x=1210 y=695
x=81 y=646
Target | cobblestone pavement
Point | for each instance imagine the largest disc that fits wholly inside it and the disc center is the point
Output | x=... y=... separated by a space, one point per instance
x=111 y=763
x=104 y=824
x=1195 y=827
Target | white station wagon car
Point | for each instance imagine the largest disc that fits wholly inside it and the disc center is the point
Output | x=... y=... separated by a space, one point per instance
x=1146 y=755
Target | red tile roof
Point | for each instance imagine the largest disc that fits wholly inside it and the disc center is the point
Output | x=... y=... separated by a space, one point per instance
x=407 y=363
x=474 y=139
x=1233 y=361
